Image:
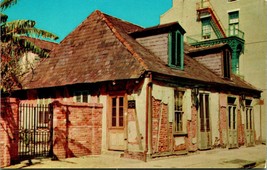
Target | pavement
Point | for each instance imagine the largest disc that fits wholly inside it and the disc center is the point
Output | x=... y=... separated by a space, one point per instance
x=243 y=157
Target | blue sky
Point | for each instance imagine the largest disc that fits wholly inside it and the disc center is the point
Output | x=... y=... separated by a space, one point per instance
x=62 y=16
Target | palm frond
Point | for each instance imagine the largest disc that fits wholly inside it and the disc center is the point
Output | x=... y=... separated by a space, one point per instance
x=18 y=24
x=23 y=27
x=7 y=3
x=35 y=32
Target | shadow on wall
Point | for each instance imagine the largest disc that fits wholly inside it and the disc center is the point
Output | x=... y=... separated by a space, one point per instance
x=9 y=130
x=74 y=129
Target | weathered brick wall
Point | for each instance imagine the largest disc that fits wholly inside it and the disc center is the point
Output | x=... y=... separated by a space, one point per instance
x=158 y=44
x=160 y=127
x=9 y=131
x=77 y=129
x=212 y=61
x=163 y=139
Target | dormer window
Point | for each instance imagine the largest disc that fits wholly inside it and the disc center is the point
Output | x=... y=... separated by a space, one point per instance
x=175 y=51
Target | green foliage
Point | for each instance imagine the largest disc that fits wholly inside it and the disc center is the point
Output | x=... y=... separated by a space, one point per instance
x=7 y=3
x=14 y=46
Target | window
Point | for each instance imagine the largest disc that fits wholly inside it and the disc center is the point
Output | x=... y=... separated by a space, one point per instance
x=226 y=64
x=204 y=112
x=43 y=112
x=232 y=115
x=43 y=117
x=117 y=104
x=233 y=23
x=175 y=51
x=81 y=96
x=178 y=111
x=249 y=111
x=206 y=28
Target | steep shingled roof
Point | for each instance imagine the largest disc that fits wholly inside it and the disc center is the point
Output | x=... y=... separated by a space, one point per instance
x=101 y=49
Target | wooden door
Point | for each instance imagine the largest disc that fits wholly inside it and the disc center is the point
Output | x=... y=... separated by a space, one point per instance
x=249 y=130
x=204 y=122
x=116 y=123
x=232 y=127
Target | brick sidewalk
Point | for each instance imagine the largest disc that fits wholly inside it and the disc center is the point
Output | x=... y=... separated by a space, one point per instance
x=216 y=158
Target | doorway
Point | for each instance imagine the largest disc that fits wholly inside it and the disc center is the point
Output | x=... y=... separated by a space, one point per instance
x=204 y=122
x=232 y=123
x=116 y=123
x=249 y=130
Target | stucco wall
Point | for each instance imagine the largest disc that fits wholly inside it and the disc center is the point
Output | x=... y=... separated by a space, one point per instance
x=137 y=120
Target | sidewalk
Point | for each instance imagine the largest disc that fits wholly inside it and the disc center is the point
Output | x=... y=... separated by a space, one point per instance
x=216 y=158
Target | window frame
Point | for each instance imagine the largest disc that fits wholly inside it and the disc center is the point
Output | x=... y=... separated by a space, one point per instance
x=230 y=1
x=233 y=23
x=232 y=108
x=175 y=49
x=249 y=114
x=43 y=112
x=206 y=28
x=178 y=125
x=79 y=96
x=204 y=112
x=119 y=116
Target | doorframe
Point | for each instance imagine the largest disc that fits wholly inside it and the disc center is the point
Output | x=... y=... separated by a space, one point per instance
x=236 y=104
x=199 y=122
x=253 y=121
x=108 y=116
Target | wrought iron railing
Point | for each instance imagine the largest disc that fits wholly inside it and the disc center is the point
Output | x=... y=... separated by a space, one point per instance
x=199 y=38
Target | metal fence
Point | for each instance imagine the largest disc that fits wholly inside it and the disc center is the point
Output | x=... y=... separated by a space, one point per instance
x=35 y=131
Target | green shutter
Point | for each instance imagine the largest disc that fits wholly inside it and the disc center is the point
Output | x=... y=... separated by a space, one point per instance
x=175 y=49
x=181 y=52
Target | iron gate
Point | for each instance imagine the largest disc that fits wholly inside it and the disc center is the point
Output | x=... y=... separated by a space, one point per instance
x=35 y=131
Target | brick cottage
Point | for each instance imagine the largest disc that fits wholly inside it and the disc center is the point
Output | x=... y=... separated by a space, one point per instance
x=140 y=91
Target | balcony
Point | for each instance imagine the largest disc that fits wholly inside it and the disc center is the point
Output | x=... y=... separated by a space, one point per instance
x=193 y=39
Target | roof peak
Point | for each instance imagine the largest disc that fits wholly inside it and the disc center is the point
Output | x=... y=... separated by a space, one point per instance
x=121 y=38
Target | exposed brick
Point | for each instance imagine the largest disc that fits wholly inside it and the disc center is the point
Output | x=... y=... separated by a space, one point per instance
x=192 y=130
x=77 y=129
x=160 y=127
x=9 y=131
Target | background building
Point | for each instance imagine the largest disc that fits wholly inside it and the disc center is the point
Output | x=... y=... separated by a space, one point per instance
x=241 y=24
